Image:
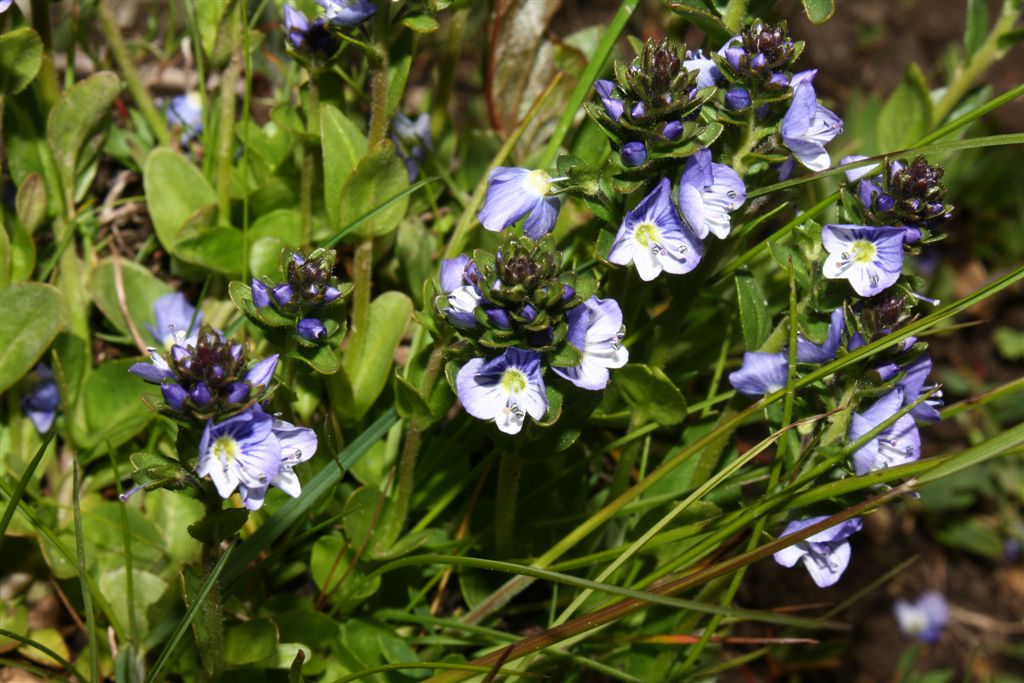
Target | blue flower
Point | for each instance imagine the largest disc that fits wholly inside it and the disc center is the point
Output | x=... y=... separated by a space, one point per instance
x=761 y=373
x=505 y=389
x=595 y=328
x=897 y=444
x=855 y=174
x=252 y=451
x=4 y=6
x=826 y=554
x=870 y=258
x=186 y=112
x=913 y=385
x=809 y=352
x=708 y=74
x=807 y=127
x=347 y=12
x=310 y=37
x=412 y=139
x=513 y=193
x=633 y=153
x=463 y=296
x=924 y=619
x=654 y=238
x=708 y=192
x=177 y=321
x=41 y=402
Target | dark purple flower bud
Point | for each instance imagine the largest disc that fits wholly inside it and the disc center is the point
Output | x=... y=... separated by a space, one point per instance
x=759 y=61
x=41 y=402
x=612 y=105
x=638 y=111
x=262 y=372
x=568 y=292
x=737 y=99
x=260 y=294
x=174 y=395
x=733 y=55
x=672 y=130
x=499 y=318
x=179 y=353
x=634 y=153
x=529 y=313
x=217 y=371
x=200 y=394
x=235 y=352
x=885 y=202
x=311 y=329
x=283 y=294
x=779 y=80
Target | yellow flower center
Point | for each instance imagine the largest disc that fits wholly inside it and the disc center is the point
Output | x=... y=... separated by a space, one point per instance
x=646 y=233
x=538 y=181
x=513 y=381
x=225 y=448
x=863 y=251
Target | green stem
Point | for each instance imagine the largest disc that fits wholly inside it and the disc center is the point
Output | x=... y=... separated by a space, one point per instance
x=212 y=609
x=379 y=81
x=989 y=52
x=735 y=13
x=746 y=143
x=131 y=76
x=226 y=137
x=47 y=79
x=505 y=505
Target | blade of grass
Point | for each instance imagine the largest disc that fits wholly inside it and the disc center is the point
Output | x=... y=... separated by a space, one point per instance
x=297 y=508
x=590 y=73
x=186 y=622
x=19 y=490
x=370 y=214
x=90 y=615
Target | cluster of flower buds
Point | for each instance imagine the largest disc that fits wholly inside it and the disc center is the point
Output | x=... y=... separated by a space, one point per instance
x=306 y=298
x=206 y=376
x=762 y=55
x=317 y=39
x=651 y=109
x=910 y=195
x=519 y=314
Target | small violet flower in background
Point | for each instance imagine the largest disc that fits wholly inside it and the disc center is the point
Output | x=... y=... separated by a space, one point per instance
x=897 y=444
x=42 y=400
x=654 y=238
x=826 y=554
x=347 y=12
x=761 y=373
x=595 y=328
x=186 y=112
x=925 y=618
x=809 y=352
x=412 y=139
x=463 y=297
x=513 y=193
x=870 y=258
x=807 y=126
x=504 y=389
x=252 y=451
x=708 y=192
x=5 y=5
x=174 y=321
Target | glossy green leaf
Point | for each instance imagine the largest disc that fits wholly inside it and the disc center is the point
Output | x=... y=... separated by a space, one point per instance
x=112 y=410
x=753 y=307
x=907 y=114
x=77 y=125
x=343 y=147
x=370 y=367
x=175 y=192
x=30 y=317
x=378 y=178
x=648 y=389
x=218 y=249
x=141 y=289
x=31 y=201
x=819 y=11
x=21 y=55
x=249 y=642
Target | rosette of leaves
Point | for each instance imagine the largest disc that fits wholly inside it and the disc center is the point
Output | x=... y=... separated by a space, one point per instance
x=306 y=291
x=661 y=107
